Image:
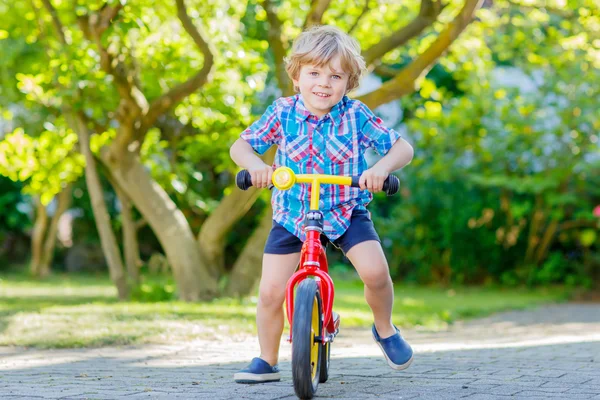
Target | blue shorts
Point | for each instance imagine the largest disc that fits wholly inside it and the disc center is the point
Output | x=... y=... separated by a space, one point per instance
x=361 y=229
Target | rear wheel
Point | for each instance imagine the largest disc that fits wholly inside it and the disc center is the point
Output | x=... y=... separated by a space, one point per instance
x=306 y=352
x=325 y=356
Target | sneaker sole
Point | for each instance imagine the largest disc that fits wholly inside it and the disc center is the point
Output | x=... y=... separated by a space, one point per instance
x=397 y=367
x=245 y=377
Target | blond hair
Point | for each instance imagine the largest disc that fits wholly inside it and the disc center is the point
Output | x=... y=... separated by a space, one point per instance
x=319 y=45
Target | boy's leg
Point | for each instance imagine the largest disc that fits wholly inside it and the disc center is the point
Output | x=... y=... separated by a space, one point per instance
x=276 y=271
x=372 y=267
x=370 y=263
x=281 y=256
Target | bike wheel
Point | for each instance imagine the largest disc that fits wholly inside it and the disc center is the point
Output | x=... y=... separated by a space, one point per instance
x=306 y=352
x=325 y=357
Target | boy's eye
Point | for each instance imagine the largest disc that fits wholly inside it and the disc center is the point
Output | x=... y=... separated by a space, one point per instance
x=336 y=77
x=313 y=73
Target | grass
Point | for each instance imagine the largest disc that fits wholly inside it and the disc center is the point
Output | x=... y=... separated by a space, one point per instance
x=69 y=311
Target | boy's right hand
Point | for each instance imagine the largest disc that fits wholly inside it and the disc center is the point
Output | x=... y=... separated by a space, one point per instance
x=261 y=175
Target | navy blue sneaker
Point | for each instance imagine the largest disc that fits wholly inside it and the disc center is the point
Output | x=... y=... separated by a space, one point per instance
x=258 y=371
x=396 y=350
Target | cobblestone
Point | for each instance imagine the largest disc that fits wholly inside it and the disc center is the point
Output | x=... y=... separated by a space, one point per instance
x=549 y=352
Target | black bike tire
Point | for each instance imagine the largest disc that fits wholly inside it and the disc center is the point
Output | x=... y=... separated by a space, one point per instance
x=325 y=362
x=304 y=384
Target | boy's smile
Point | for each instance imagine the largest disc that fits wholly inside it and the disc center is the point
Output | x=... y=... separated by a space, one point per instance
x=322 y=87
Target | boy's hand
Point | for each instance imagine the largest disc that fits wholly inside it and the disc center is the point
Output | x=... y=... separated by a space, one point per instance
x=261 y=175
x=373 y=178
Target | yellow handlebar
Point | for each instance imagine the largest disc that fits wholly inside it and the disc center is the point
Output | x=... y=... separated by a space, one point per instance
x=284 y=178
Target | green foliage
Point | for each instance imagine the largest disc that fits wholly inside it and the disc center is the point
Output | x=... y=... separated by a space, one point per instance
x=429 y=233
x=45 y=163
x=502 y=154
x=491 y=155
x=12 y=216
x=153 y=292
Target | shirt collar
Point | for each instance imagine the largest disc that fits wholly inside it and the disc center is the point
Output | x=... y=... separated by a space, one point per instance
x=336 y=113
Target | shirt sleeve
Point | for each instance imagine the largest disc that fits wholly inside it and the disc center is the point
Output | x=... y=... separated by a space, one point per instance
x=376 y=135
x=265 y=132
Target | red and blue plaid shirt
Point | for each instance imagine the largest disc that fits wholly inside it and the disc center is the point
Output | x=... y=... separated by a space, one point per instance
x=335 y=144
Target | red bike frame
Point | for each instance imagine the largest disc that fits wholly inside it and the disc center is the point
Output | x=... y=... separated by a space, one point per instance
x=313 y=262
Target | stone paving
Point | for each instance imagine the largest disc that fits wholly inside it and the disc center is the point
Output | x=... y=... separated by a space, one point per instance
x=552 y=352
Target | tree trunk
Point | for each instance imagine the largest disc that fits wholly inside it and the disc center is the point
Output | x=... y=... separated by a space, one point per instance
x=130 y=240
x=211 y=238
x=230 y=209
x=542 y=250
x=534 y=225
x=247 y=268
x=37 y=236
x=168 y=223
x=107 y=236
x=64 y=202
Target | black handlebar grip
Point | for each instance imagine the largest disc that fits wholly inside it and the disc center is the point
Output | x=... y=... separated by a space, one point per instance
x=243 y=180
x=390 y=185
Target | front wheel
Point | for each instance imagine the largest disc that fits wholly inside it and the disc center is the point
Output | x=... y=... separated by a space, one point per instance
x=306 y=351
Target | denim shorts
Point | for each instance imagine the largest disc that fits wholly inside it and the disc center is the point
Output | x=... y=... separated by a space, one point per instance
x=361 y=229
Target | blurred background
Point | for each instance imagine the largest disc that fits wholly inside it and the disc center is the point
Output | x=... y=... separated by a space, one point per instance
x=116 y=119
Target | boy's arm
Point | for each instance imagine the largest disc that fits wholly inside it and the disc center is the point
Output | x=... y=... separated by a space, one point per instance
x=258 y=138
x=243 y=155
x=397 y=157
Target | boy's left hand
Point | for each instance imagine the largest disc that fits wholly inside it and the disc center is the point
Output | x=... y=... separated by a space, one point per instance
x=373 y=178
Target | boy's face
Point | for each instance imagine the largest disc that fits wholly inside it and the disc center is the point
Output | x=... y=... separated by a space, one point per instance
x=322 y=87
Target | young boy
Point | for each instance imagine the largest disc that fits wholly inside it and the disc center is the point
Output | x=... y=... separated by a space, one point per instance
x=322 y=131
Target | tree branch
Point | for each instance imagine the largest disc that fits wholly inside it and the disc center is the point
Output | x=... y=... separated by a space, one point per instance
x=40 y=24
x=428 y=13
x=103 y=18
x=315 y=15
x=547 y=239
x=537 y=218
x=133 y=102
x=93 y=26
x=550 y=10
x=385 y=71
x=581 y=223
x=404 y=82
x=364 y=12
x=277 y=45
x=96 y=126
x=181 y=91
x=55 y=21
x=140 y=223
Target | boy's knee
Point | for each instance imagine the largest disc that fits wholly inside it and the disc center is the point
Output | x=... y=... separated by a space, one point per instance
x=271 y=296
x=377 y=279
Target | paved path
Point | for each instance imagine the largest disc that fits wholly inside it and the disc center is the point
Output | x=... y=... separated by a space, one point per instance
x=552 y=352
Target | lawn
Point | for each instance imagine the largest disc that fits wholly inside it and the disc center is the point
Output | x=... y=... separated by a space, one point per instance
x=81 y=311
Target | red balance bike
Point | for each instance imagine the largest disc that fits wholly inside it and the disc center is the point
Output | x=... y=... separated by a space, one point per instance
x=313 y=324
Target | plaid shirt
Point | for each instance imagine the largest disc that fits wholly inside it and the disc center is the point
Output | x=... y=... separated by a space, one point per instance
x=334 y=144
